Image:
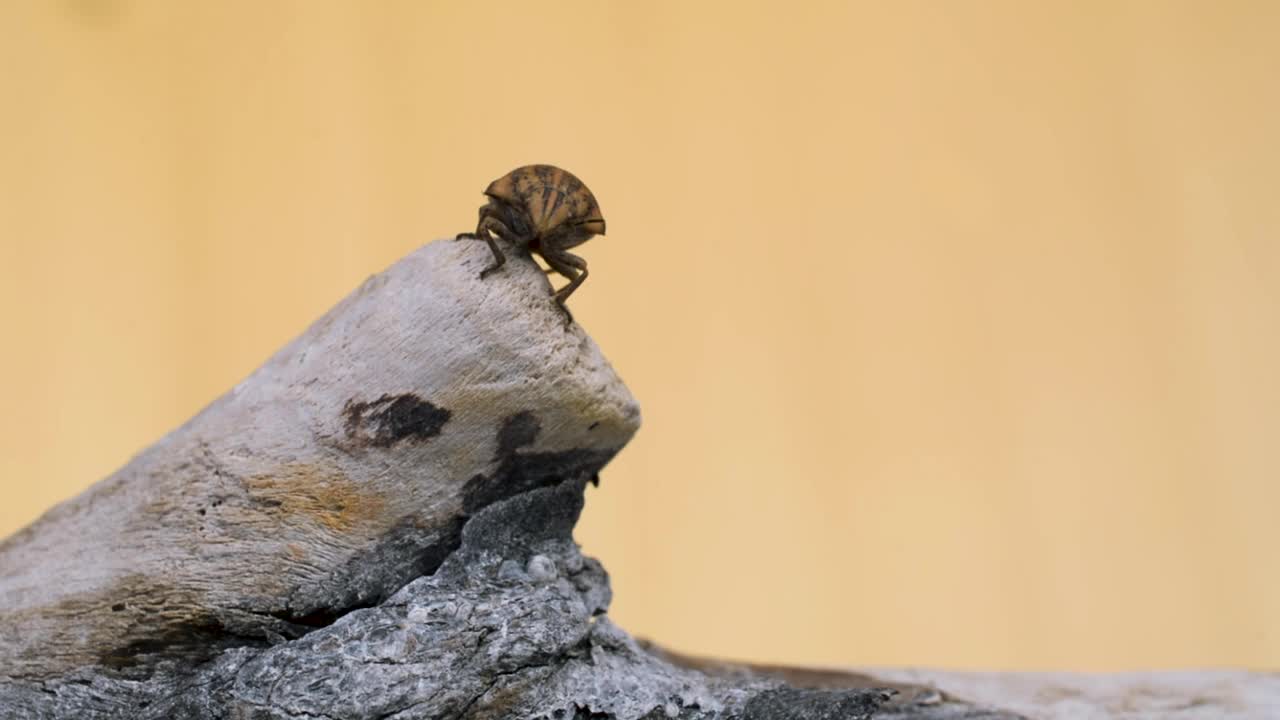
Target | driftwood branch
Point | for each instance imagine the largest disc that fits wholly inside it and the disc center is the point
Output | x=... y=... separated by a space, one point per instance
x=378 y=524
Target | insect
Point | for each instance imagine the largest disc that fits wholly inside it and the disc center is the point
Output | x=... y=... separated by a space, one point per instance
x=542 y=209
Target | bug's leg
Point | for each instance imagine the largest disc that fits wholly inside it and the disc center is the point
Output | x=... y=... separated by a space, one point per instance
x=562 y=262
x=575 y=279
x=492 y=223
x=568 y=265
x=498 y=258
x=490 y=226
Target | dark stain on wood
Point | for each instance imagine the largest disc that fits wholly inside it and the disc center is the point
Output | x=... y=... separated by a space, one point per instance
x=393 y=418
x=196 y=640
x=520 y=470
x=151 y=621
x=517 y=431
x=410 y=549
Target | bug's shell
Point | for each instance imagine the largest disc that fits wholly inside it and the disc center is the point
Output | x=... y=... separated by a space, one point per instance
x=553 y=199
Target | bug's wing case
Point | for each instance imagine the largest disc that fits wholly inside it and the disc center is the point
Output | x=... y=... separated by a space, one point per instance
x=551 y=197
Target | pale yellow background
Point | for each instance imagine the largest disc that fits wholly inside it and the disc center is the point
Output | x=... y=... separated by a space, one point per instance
x=956 y=325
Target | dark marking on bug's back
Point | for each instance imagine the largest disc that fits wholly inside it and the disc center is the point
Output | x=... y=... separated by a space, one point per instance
x=546 y=203
x=392 y=418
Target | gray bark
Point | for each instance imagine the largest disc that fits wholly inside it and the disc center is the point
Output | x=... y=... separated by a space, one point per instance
x=378 y=524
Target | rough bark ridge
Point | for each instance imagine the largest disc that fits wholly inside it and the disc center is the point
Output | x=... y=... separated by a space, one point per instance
x=378 y=524
x=512 y=624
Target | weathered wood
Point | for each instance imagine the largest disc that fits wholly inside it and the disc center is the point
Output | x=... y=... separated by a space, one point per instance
x=333 y=475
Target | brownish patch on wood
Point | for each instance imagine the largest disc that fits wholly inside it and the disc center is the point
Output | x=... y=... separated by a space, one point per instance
x=122 y=625
x=318 y=493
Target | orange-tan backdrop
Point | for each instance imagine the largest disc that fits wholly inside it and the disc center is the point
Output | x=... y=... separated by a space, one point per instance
x=956 y=325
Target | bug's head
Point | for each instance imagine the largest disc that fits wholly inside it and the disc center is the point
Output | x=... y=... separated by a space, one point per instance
x=587 y=219
x=592 y=224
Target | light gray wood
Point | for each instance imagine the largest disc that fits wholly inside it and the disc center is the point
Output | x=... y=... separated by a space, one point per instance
x=326 y=480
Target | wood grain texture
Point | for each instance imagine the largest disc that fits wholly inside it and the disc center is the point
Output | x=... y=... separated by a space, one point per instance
x=334 y=474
